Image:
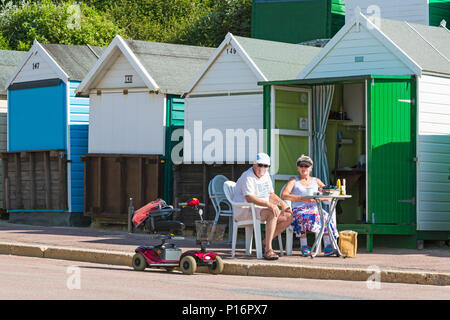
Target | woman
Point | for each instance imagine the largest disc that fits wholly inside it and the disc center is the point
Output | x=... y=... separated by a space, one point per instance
x=306 y=213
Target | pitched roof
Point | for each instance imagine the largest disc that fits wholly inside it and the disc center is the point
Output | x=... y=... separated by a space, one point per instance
x=422 y=48
x=172 y=66
x=428 y=46
x=270 y=60
x=75 y=60
x=278 y=60
x=9 y=61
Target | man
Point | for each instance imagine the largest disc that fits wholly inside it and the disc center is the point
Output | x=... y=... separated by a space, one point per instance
x=255 y=186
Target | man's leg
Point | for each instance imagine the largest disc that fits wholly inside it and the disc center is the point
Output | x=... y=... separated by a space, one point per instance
x=274 y=226
x=283 y=222
x=271 y=225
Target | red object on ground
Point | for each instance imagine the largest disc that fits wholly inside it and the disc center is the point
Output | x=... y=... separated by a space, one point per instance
x=141 y=214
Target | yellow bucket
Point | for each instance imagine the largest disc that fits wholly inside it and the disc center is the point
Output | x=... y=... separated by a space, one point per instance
x=348 y=243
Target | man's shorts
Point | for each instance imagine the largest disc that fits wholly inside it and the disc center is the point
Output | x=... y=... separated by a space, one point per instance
x=241 y=214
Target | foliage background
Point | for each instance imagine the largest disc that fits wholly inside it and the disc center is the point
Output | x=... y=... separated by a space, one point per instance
x=96 y=22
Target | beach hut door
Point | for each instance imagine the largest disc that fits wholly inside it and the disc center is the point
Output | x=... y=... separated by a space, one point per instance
x=391 y=166
x=291 y=118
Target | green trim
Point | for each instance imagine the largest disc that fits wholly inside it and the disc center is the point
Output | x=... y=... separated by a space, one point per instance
x=388 y=77
x=388 y=229
x=315 y=81
x=168 y=164
x=267 y=115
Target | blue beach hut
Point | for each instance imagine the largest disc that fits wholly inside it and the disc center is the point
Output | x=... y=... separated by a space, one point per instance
x=44 y=115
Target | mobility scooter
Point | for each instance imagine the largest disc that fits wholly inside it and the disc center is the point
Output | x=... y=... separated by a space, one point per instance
x=168 y=255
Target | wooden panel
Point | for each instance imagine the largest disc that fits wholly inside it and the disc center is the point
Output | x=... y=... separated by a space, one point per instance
x=229 y=73
x=115 y=76
x=35 y=180
x=377 y=59
x=191 y=181
x=216 y=115
x=128 y=124
x=433 y=153
x=112 y=179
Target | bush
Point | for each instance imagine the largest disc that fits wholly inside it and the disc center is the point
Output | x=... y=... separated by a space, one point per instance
x=96 y=22
x=63 y=23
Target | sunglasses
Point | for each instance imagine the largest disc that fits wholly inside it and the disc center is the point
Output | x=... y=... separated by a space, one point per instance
x=303 y=166
x=263 y=165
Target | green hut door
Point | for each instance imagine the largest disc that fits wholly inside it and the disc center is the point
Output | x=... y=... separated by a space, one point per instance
x=391 y=132
x=291 y=110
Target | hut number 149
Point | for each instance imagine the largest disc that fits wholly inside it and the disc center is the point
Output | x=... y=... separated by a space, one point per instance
x=231 y=51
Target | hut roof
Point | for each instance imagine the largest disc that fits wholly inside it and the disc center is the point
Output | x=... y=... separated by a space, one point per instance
x=75 y=60
x=270 y=60
x=165 y=67
x=428 y=46
x=9 y=60
x=172 y=66
x=424 y=49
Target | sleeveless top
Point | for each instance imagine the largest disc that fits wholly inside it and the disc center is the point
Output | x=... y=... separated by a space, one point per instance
x=300 y=190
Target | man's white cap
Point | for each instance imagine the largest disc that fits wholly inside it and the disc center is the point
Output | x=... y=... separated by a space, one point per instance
x=262 y=158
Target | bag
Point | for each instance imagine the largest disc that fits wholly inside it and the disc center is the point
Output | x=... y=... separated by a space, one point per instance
x=141 y=214
x=348 y=243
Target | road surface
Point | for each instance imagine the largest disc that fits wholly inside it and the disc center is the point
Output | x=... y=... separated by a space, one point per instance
x=37 y=278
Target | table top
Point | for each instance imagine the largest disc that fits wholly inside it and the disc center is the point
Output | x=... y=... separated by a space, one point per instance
x=327 y=196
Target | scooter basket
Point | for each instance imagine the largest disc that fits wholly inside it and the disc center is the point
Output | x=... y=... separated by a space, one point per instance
x=207 y=231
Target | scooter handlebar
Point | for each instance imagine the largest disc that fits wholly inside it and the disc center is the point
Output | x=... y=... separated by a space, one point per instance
x=185 y=204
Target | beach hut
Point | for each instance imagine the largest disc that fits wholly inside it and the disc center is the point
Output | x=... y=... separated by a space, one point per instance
x=9 y=60
x=224 y=110
x=385 y=89
x=427 y=12
x=296 y=21
x=47 y=133
x=134 y=91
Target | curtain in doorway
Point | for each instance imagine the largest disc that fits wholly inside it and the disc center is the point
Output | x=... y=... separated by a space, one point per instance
x=322 y=98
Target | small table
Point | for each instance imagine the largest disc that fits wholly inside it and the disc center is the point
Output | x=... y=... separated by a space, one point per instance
x=334 y=199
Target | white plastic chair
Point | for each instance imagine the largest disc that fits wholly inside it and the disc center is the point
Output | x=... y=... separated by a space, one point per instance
x=250 y=226
x=218 y=198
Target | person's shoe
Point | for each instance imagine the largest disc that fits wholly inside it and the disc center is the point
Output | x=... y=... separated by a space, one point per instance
x=270 y=255
x=306 y=251
x=328 y=251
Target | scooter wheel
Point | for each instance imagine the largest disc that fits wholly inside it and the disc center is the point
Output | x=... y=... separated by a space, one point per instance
x=188 y=265
x=139 y=263
x=217 y=266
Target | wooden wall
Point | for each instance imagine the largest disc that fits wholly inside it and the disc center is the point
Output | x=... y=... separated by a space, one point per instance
x=112 y=179
x=192 y=180
x=34 y=180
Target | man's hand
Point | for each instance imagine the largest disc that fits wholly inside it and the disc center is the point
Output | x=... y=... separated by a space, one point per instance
x=275 y=209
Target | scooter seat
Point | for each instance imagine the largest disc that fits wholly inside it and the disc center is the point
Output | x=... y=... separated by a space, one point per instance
x=169 y=226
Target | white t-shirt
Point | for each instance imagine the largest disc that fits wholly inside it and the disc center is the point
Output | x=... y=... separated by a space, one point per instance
x=250 y=184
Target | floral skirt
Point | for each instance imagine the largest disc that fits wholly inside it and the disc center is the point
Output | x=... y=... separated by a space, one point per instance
x=307 y=218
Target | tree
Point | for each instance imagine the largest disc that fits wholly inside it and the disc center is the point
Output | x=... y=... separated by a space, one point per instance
x=67 y=22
